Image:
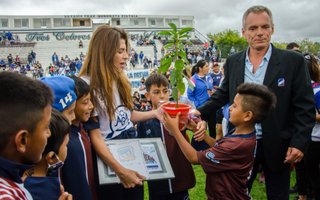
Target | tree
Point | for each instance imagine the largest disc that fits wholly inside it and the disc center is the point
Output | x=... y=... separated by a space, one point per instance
x=308 y=46
x=226 y=40
x=280 y=45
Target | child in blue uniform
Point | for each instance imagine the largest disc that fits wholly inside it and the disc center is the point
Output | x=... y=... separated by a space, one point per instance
x=79 y=160
x=229 y=160
x=43 y=180
x=177 y=188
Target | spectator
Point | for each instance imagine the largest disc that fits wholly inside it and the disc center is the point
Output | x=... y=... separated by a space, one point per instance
x=10 y=59
x=142 y=88
x=55 y=58
x=17 y=60
x=200 y=94
x=29 y=59
x=141 y=56
x=3 y=64
x=80 y=44
x=216 y=76
x=33 y=54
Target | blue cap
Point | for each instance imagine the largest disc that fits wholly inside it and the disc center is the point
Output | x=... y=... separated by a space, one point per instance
x=63 y=89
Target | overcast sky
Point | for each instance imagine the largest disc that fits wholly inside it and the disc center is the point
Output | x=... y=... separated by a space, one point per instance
x=294 y=19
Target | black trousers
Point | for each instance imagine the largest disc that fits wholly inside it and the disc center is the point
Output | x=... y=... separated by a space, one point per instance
x=277 y=183
x=118 y=192
x=301 y=177
x=312 y=159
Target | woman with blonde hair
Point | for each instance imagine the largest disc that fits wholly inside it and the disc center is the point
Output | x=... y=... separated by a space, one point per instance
x=103 y=68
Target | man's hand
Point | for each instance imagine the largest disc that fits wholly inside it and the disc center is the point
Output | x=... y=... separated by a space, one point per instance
x=130 y=178
x=294 y=155
x=200 y=131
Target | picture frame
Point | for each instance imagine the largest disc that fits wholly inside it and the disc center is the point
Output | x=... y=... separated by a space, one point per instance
x=147 y=156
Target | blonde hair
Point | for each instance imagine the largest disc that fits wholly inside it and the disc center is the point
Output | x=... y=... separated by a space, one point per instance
x=103 y=73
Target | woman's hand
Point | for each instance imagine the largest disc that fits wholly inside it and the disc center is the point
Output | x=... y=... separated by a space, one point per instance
x=130 y=178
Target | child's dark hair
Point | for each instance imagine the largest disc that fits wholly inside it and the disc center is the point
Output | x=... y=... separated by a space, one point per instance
x=59 y=128
x=22 y=104
x=156 y=79
x=258 y=99
x=195 y=68
x=81 y=87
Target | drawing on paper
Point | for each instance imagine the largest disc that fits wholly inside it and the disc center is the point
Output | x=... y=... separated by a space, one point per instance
x=151 y=157
x=126 y=153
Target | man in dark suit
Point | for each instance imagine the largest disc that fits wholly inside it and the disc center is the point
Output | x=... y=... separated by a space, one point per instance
x=283 y=136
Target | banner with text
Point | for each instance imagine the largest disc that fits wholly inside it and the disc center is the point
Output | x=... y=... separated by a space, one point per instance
x=135 y=77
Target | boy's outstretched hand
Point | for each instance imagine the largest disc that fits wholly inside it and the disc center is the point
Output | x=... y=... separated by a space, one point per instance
x=130 y=178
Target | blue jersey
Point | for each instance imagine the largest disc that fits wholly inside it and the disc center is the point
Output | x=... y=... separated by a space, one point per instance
x=216 y=79
x=315 y=135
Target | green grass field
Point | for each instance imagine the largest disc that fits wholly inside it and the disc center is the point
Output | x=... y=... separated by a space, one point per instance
x=198 y=192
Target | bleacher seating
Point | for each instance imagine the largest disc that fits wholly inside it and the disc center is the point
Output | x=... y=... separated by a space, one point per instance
x=44 y=50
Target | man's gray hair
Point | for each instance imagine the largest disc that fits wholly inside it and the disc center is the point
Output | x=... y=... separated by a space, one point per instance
x=256 y=9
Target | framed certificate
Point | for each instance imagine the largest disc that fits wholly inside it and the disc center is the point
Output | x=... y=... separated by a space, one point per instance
x=147 y=156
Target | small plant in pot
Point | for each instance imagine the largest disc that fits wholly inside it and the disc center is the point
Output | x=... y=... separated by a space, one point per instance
x=176 y=60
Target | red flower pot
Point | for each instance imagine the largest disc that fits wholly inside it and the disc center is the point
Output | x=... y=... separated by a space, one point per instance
x=172 y=110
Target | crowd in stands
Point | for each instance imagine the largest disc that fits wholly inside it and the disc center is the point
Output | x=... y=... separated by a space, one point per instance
x=33 y=68
x=27 y=66
x=65 y=65
x=143 y=40
x=195 y=52
x=7 y=38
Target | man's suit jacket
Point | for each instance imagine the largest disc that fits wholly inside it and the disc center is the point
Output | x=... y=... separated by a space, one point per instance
x=291 y=123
